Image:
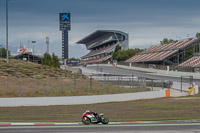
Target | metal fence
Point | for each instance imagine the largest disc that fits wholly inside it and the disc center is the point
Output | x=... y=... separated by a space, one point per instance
x=184 y=83
x=76 y=85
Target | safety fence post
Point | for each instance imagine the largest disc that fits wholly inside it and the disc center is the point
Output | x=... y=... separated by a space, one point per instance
x=35 y=83
x=20 y=86
x=6 y=85
x=181 y=83
x=44 y=90
x=87 y=88
x=67 y=90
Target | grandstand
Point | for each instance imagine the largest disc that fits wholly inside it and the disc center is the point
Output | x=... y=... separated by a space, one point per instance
x=102 y=43
x=192 y=62
x=166 y=54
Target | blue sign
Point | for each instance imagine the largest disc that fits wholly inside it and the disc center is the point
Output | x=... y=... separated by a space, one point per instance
x=65 y=21
x=74 y=61
x=65 y=17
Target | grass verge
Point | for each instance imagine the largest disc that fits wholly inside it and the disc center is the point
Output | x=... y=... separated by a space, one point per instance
x=141 y=110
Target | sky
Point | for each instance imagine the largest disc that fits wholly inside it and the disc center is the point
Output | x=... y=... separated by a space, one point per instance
x=146 y=21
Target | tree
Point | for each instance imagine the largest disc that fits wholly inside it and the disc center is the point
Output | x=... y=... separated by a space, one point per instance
x=198 y=35
x=114 y=54
x=166 y=41
x=47 y=60
x=123 y=55
x=51 y=60
x=55 y=61
x=3 y=53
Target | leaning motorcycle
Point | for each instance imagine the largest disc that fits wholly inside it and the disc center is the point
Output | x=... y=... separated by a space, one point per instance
x=91 y=119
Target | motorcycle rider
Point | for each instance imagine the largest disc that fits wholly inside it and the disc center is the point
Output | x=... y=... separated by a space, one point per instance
x=91 y=112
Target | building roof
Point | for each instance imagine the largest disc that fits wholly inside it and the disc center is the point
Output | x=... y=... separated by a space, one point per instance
x=97 y=34
x=18 y=55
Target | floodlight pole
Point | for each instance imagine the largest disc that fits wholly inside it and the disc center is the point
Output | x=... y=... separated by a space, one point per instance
x=1 y=50
x=7 y=31
x=33 y=46
x=47 y=42
x=33 y=50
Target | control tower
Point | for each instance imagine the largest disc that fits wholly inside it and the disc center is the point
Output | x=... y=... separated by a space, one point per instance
x=65 y=26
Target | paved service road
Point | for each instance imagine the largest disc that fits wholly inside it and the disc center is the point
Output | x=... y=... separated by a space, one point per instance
x=117 y=71
x=126 y=128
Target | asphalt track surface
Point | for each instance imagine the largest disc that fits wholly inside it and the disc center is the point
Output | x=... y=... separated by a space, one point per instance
x=124 y=128
x=125 y=72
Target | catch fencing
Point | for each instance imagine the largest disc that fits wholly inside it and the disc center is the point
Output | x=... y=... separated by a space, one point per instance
x=77 y=85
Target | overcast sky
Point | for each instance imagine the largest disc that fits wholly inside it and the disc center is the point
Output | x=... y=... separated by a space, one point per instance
x=146 y=21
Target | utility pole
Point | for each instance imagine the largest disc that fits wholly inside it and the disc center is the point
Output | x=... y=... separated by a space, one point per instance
x=7 y=31
x=1 y=50
x=33 y=50
x=33 y=46
x=47 y=42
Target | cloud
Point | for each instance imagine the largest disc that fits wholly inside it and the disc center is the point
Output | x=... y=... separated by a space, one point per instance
x=146 y=22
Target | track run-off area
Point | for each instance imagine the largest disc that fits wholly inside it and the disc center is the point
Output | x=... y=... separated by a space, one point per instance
x=192 y=126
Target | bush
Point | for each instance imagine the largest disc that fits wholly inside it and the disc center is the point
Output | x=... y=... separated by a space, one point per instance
x=51 y=60
x=123 y=55
x=3 y=53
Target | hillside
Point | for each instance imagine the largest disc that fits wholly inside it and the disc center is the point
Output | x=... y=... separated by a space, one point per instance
x=19 y=68
x=27 y=79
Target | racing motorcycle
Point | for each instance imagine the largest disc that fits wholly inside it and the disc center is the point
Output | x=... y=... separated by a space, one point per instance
x=91 y=119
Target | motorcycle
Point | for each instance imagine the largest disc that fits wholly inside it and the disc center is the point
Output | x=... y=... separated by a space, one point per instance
x=90 y=118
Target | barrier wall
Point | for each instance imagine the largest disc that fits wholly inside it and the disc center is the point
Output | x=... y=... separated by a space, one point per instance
x=75 y=100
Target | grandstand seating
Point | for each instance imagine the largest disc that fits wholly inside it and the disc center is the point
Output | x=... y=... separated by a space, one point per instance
x=96 y=60
x=102 y=50
x=170 y=46
x=102 y=41
x=160 y=52
x=157 y=56
x=192 y=62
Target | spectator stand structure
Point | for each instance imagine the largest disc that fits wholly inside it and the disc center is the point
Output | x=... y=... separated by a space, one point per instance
x=102 y=43
x=27 y=54
x=29 y=57
x=168 y=54
x=190 y=65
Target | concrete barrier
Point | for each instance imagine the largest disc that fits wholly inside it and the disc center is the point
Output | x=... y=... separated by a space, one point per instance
x=75 y=100
x=72 y=69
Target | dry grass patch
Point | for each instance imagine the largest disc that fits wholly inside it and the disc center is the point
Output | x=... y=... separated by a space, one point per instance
x=34 y=80
x=141 y=110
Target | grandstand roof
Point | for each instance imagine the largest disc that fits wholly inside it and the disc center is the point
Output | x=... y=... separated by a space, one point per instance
x=97 y=34
x=102 y=43
x=29 y=57
x=161 y=52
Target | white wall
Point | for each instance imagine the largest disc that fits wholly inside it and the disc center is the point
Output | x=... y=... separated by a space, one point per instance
x=74 y=100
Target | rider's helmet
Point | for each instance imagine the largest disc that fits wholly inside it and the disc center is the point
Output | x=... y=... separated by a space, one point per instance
x=87 y=111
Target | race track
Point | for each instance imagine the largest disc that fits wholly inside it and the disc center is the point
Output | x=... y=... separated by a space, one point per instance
x=118 y=71
x=124 y=128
